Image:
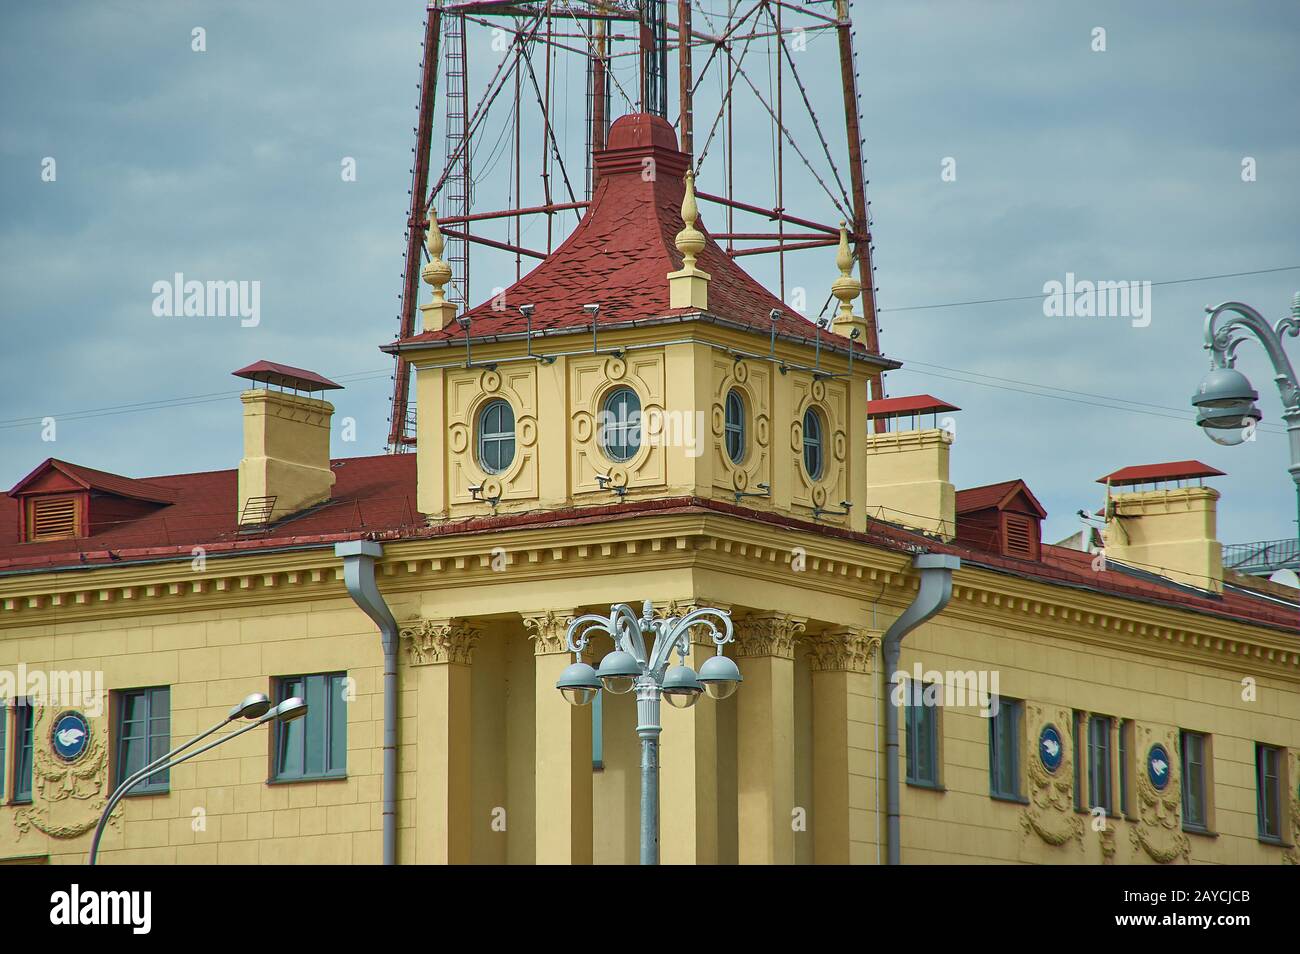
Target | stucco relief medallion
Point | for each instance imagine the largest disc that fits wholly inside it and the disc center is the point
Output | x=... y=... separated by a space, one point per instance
x=618 y=476
x=491 y=488
x=527 y=431
x=1159 y=831
x=1050 y=815
x=69 y=776
x=615 y=368
x=458 y=438
x=718 y=420
x=490 y=382
x=819 y=495
x=740 y=372
x=819 y=390
x=762 y=430
x=796 y=436
x=740 y=480
x=840 y=446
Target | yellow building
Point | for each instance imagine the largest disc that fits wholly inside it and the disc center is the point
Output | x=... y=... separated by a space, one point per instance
x=636 y=419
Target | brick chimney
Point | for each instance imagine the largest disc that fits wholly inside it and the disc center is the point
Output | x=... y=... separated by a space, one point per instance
x=286 y=463
x=907 y=466
x=1157 y=521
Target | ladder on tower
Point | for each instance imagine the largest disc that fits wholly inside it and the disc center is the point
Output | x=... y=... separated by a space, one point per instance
x=457 y=190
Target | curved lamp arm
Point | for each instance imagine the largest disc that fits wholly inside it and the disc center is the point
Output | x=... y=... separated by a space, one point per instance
x=1222 y=342
x=161 y=765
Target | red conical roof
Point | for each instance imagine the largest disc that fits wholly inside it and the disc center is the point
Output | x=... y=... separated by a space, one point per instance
x=621 y=252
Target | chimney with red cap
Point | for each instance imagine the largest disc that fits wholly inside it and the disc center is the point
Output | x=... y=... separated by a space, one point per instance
x=286 y=464
x=1161 y=519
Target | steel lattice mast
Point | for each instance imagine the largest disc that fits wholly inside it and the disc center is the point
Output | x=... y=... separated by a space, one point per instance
x=601 y=33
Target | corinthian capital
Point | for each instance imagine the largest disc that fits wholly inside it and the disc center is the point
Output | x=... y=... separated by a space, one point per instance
x=768 y=634
x=848 y=649
x=430 y=642
x=547 y=629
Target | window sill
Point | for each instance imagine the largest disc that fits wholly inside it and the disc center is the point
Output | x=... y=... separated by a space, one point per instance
x=1204 y=832
x=1275 y=842
x=1014 y=799
x=928 y=786
x=307 y=778
x=146 y=792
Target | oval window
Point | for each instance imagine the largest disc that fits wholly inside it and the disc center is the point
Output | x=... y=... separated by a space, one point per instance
x=496 y=436
x=620 y=424
x=734 y=433
x=813 y=455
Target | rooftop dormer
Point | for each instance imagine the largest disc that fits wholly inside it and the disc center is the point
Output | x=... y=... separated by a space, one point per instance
x=63 y=501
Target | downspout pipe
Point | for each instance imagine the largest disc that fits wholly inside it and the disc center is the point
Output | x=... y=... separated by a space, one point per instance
x=359 y=558
x=934 y=594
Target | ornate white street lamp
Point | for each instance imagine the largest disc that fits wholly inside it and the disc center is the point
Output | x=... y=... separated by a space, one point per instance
x=1225 y=401
x=630 y=667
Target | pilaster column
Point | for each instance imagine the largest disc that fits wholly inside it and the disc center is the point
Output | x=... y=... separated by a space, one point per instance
x=688 y=754
x=844 y=744
x=562 y=755
x=440 y=650
x=765 y=737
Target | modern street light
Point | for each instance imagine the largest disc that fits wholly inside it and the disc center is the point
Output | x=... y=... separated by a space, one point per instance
x=256 y=707
x=1225 y=401
x=630 y=667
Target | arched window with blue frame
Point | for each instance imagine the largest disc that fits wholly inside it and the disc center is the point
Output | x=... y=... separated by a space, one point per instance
x=496 y=436
x=620 y=424
x=734 y=426
x=814 y=455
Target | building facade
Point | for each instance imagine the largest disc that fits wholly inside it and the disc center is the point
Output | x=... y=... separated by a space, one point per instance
x=636 y=420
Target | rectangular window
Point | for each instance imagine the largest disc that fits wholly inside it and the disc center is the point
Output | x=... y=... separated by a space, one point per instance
x=1004 y=750
x=1100 y=789
x=922 y=722
x=144 y=735
x=1126 y=766
x=23 y=714
x=315 y=745
x=1268 y=791
x=4 y=734
x=1076 y=740
x=1196 y=810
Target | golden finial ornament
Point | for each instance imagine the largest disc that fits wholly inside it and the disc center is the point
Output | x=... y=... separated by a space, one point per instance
x=436 y=272
x=846 y=287
x=690 y=241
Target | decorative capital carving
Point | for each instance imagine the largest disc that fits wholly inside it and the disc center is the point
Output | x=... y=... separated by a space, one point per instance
x=548 y=630
x=768 y=634
x=430 y=642
x=847 y=649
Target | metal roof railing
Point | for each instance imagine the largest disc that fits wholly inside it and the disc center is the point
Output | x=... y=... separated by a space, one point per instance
x=1263 y=557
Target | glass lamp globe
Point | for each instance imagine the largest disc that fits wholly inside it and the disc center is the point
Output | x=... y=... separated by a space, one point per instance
x=1228 y=425
x=720 y=677
x=578 y=684
x=618 y=671
x=682 y=687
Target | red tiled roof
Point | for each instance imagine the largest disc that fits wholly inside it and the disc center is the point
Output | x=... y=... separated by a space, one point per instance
x=912 y=404
x=374 y=497
x=91 y=479
x=1147 y=473
x=996 y=495
x=282 y=375
x=621 y=252
x=370 y=493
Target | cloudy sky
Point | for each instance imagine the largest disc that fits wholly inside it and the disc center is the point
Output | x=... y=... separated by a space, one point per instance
x=226 y=164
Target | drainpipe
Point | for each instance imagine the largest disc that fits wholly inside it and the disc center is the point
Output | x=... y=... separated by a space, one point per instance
x=936 y=589
x=359 y=576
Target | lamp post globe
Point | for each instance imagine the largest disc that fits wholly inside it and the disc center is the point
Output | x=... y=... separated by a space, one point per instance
x=618 y=671
x=578 y=684
x=681 y=687
x=720 y=676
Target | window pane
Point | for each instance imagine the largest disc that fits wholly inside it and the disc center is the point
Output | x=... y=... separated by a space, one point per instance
x=338 y=757
x=316 y=719
x=23 y=751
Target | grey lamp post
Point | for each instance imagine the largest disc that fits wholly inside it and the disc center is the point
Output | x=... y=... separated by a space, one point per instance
x=630 y=667
x=1225 y=401
x=256 y=707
